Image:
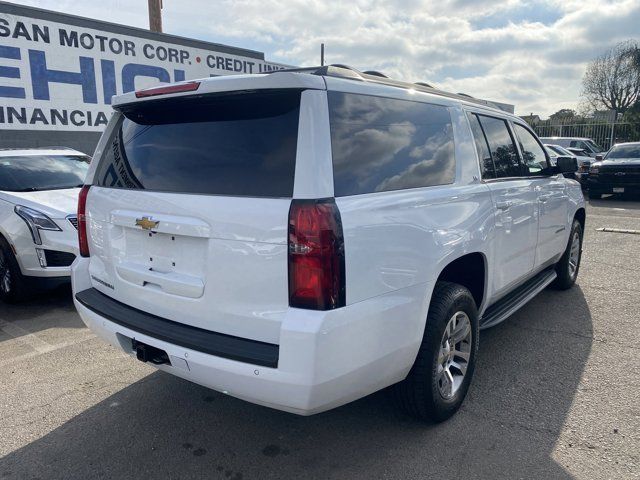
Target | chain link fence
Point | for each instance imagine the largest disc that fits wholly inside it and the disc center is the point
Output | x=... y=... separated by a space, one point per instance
x=600 y=132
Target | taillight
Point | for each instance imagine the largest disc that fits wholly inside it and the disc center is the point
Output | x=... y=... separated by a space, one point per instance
x=316 y=255
x=83 y=239
x=165 y=89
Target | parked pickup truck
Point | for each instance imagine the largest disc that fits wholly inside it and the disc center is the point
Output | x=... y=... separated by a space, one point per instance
x=304 y=238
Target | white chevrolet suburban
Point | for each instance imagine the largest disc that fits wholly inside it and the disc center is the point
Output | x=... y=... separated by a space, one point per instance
x=304 y=238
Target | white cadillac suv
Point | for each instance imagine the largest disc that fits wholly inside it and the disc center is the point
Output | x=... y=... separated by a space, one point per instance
x=38 y=201
x=304 y=238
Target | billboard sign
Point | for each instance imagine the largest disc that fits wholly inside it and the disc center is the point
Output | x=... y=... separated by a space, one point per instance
x=61 y=76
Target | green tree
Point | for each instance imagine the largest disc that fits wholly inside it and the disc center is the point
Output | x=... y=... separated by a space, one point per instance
x=563 y=115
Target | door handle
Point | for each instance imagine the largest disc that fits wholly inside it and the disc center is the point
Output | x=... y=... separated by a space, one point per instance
x=544 y=198
x=504 y=205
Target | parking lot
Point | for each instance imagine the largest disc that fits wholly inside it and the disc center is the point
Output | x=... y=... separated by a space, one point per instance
x=555 y=395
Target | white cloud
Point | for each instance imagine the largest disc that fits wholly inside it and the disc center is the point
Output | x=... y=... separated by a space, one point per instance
x=533 y=53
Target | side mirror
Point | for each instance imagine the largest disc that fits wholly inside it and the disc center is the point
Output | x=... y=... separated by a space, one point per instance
x=599 y=157
x=567 y=165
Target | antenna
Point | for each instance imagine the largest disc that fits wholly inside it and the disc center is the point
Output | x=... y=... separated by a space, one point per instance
x=322 y=54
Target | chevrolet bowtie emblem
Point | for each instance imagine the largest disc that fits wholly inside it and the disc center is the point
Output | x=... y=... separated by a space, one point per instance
x=146 y=223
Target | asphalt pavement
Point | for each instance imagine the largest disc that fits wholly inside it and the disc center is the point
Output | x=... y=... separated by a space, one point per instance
x=556 y=394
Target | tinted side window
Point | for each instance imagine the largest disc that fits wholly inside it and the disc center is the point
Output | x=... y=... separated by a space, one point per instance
x=503 y=150
x=241 y=144
x=381 y=144
x=484 y=155
x=533 y=156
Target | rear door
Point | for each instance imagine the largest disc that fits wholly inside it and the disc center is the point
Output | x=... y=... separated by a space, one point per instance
x=553 y=200
x=515 y=202
x=188 y=210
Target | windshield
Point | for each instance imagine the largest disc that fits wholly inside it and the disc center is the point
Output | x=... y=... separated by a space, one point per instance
x=594 y=146
x=42 y=172
x=624 y=151
x=559 y=150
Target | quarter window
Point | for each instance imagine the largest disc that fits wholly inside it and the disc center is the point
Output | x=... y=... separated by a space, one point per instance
x=534 y=159
x=503 y=150
x=382 y=144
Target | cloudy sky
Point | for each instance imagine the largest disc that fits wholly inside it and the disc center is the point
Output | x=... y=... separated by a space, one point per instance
x=530 y=53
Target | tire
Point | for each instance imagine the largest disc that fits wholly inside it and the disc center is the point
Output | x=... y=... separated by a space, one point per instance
x=421 y=393
x=13 y=285
x=568 y=267
x=594 y=195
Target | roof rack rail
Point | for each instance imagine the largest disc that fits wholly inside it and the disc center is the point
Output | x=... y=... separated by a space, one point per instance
x=342 y=65
x=375 y=73
x=349 y=73
x=337 y=70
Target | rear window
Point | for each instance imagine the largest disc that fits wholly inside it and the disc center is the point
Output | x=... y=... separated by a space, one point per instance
x=30 y=173
x=240 y=144
x=381 y=144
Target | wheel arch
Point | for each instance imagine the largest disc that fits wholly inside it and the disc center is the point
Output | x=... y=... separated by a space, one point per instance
x=4 y=237
x=469 y=270
x=581 y=216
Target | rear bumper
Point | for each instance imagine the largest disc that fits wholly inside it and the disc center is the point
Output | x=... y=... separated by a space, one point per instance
x=324 y=359
x=205 y=341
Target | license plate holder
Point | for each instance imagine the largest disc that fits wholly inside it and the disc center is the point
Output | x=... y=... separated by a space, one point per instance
x=618 y=190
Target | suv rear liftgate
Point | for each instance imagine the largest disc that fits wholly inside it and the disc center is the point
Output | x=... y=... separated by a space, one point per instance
x=188 y=221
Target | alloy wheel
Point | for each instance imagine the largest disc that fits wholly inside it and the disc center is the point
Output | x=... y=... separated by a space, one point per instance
x=574 y=255
x=453 y=358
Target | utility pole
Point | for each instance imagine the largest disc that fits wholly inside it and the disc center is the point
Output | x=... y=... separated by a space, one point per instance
x=155 y=15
